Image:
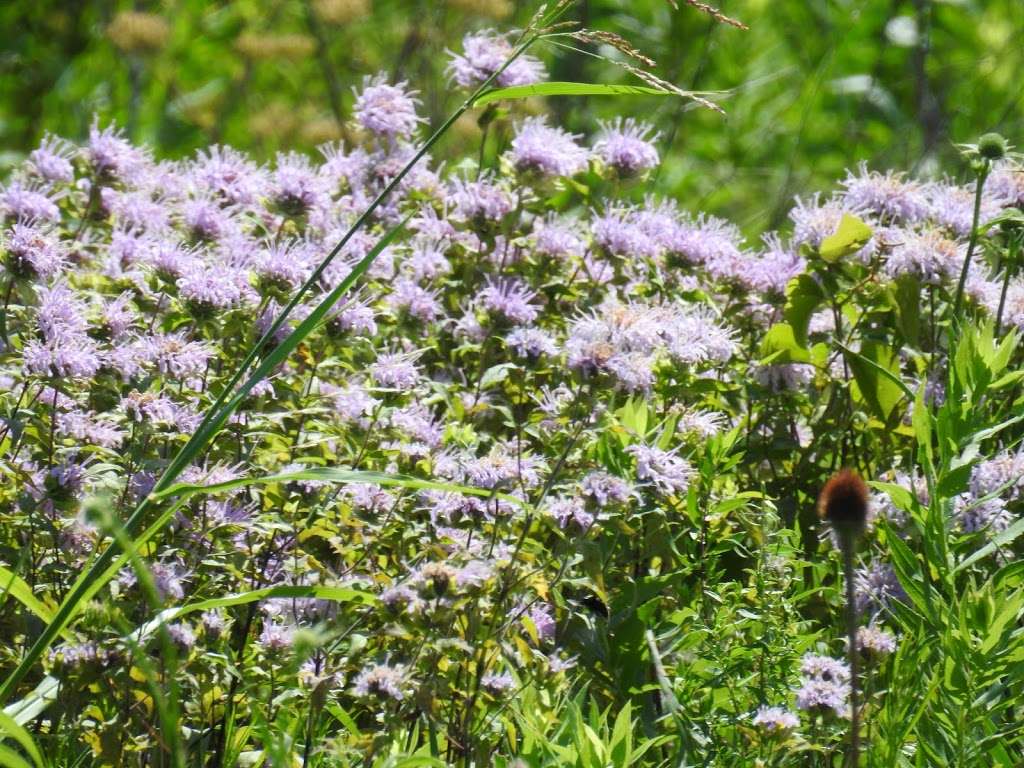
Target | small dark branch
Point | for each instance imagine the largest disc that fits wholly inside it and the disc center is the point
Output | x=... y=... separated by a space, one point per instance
x=323 y=55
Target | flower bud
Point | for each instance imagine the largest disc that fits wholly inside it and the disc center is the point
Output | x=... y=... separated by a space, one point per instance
x=992 y=146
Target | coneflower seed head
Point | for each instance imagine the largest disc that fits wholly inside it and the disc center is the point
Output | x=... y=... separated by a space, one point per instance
x=844 y=503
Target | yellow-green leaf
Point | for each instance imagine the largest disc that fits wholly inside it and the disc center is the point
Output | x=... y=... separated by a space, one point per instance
x=851 y=235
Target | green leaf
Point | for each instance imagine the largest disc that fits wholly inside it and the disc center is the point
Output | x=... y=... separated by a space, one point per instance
x=1001 y=539
x=876 y=373
x=496 y=374
x=8 y=727
x=803 y=295
x=905 y=296
x=851 y=235
x=780 y=345
x=13 y=585
x=11 y=759
x=568 y=89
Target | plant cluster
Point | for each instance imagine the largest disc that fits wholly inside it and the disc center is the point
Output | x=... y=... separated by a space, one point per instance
x=539 y=487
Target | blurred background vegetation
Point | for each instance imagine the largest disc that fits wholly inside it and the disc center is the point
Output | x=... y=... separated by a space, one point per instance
x=813 y=87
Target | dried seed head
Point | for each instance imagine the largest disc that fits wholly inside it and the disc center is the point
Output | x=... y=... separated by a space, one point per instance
x=844 y=503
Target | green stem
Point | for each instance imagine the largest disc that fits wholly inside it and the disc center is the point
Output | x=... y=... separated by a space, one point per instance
x=982 y=175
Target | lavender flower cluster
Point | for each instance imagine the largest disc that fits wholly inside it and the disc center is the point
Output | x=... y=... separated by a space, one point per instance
x=568 y=362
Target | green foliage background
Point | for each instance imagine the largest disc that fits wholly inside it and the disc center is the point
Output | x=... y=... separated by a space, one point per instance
x=813 y=87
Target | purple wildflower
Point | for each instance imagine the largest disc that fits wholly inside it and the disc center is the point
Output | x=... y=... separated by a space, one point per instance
x=667 y=472
x=51 y=161
x=509 y=299
x=775 y=720
x=539 y=148
x=626 y=147
x=382 y=681
x=889 y=196
x=484 y=53
x=386 y=110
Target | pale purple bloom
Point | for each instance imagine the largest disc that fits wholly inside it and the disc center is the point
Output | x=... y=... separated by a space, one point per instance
x=815 y=220
x=370 y=497
x=27 y=203
x=276 y=638
x=64 y=354
x=568 y=510
x=182 y=635
x=90 y=428
x=618 y=232
x=825 y=685
x=51 y=161
x=543 y=619
x=606 y=489
x=531 y=342
x=395 y=370
x=386 y=110
x=889 y=196
x=33 y=251
x=714 y=243
x=417 y=302
x=1002 y=474
x=784 y=377
x=427 y=261
x=483 y=54
x=952 y=207
x=481 y=202
x=497 y=683
x=667 y=472
x=929 y=256
x=775 y=719
x=627 y=147
x=357 y=318
x=208 y=289
x=557 y=238
x=177 y=356
x=974 y=515
x=816 y=695
x=547 y=151
x=112 y=155
x=295 y=185
x=227 y=173
x=136 y=209
x=282 y=265
x=383 y=682
x=875 y=642
x=510 y=299
x=207 y=219
x=1006 y=184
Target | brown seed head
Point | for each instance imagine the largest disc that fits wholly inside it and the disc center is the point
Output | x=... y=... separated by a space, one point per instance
x=844 y=503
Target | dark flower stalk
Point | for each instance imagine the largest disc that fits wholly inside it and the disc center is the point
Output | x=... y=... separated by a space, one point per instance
x=844 y=505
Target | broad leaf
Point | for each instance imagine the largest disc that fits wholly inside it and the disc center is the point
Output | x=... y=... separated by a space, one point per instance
x=851 y=235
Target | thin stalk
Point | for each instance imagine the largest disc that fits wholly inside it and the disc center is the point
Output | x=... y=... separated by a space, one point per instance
x=1011 y=262
x=848 y=546
x=218 y=413
x=973 y=241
